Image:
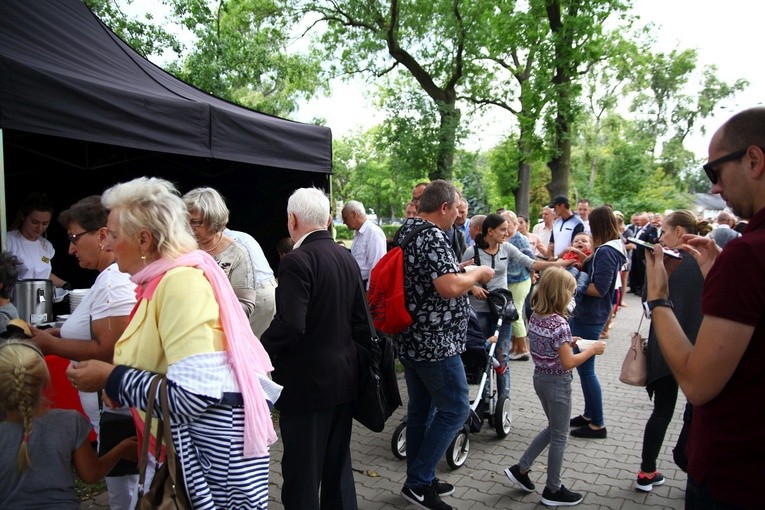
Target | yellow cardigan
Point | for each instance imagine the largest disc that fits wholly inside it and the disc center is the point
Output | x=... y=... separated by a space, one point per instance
x=181 y=319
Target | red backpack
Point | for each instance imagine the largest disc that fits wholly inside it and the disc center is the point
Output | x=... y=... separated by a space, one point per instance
x=386 y=288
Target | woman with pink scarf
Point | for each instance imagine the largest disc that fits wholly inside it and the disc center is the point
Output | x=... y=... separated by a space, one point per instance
x=188 y=324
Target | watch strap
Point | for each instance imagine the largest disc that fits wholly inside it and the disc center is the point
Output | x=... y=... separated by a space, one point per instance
x=660 y=302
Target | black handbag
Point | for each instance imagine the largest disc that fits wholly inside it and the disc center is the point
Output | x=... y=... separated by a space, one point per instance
x=115 y=427
x=378 y=394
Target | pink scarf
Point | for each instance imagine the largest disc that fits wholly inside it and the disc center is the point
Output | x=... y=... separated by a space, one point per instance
x=245 y=352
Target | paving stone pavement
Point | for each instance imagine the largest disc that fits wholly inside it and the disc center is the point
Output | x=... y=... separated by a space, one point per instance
x=604 y=470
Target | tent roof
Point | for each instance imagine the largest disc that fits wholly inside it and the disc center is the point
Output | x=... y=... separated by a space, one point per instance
x=64 y=73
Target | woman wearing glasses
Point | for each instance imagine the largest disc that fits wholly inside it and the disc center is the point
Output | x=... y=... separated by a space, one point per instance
x=208 y=216
x=27 y=240
x=98 y=321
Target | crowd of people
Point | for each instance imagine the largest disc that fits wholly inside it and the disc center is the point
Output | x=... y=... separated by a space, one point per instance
x=178 y=293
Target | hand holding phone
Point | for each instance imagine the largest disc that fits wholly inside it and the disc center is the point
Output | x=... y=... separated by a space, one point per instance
x=669 y=252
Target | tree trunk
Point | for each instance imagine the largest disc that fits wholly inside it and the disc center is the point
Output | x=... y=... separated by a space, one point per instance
x=449 y=117
x=523 y=189
x=560 y=163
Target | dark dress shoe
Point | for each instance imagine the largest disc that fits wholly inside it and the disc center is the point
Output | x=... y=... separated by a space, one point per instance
x=589 y=433
x=579 y=421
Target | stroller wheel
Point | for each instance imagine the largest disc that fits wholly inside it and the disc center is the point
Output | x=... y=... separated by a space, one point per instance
x=398 y=441
x=503 y=417
x=458 y=450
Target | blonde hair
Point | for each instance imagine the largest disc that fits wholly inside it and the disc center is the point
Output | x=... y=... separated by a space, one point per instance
x=153 y=204
x=553 y=292
x=23 y=375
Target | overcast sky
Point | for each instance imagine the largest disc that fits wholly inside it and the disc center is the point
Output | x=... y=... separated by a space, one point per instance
x=726 y=34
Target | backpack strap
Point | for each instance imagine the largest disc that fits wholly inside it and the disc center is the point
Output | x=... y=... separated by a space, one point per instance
x=416 y=230
x=404 y=242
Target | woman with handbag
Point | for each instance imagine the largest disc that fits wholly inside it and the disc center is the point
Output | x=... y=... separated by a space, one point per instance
x=592 y=312
x=491 y=249
x=685 y=284
x=93 y=328
x=189 y=326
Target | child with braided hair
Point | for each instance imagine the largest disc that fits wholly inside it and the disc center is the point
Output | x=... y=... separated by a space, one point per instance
x=38 y=446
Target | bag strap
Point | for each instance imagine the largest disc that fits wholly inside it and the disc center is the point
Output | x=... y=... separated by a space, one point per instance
x=170 y=454
x=143 y=458
x=372 y=330
x=416 y=230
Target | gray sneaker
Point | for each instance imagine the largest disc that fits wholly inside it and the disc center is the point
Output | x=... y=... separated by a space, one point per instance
x=521 y=480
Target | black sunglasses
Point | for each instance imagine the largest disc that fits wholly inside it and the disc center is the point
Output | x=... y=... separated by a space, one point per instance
x=709 y=168
x=73 y=238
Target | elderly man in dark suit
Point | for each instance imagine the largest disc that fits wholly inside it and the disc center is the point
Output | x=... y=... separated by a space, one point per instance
x=319 y=311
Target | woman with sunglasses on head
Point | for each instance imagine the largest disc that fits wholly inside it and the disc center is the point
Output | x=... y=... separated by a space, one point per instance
x=27 y=240
x=94 y=326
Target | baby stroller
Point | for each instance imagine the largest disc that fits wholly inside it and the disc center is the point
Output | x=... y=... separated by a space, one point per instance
x=481 y=375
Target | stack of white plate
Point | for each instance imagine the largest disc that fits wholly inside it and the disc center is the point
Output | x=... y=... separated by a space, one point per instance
x=75 y=297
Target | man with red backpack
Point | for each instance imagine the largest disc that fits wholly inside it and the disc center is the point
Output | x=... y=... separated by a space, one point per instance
x=435 y=288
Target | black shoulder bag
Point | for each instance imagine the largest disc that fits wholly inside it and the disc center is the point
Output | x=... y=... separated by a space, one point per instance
x=378 y=394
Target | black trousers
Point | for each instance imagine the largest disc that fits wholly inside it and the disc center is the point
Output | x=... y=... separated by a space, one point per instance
x=664 y=399
x=317 y=453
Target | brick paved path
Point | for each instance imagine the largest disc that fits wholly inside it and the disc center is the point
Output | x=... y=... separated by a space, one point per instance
x=603 y=470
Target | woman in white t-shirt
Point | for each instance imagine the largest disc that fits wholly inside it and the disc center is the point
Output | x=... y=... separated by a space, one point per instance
x=27 y=240
x=96 y=324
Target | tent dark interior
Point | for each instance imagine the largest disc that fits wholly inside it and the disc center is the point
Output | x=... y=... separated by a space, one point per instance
x=81 y=111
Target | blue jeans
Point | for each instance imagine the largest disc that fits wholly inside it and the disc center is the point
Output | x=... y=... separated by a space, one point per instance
x=593 y=397
x=441 y=384
x=488 y=327
x=554 y=392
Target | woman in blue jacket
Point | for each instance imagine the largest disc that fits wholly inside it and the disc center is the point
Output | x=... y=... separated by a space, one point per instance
x=592 y=313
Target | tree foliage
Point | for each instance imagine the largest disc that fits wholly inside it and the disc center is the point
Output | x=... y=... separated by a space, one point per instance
x=241 y=52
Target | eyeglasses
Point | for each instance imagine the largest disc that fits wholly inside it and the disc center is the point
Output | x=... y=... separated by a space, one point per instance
x=709 y=168
x=73 y=238
x=196 y=223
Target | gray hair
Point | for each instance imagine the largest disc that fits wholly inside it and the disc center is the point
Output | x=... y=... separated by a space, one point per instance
x=153 y=204
x=310 y=206
x=210 y=204
x=438 y=192
x=355 y=206
x=477 y=221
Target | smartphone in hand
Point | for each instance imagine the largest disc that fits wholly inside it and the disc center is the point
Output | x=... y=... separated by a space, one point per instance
x=669 y=252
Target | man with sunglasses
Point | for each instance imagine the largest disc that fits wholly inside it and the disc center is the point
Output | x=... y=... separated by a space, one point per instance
x=721 y=375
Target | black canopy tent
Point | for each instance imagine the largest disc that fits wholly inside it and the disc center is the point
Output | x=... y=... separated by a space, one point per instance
x=80 y=110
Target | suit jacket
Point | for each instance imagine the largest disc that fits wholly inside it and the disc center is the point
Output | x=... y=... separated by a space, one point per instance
x=457 y=239
x=319 y=312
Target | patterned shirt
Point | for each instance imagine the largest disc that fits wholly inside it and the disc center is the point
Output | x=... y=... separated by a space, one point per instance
x=546 y=334
x=439 y=324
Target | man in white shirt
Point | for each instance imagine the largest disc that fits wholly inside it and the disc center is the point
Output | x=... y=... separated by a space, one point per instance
x=544 y=229
x=369 y=244
x=583 y=210
x=566 y=226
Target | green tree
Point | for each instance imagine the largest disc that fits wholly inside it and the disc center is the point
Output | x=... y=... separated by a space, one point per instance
x=427 y=40
x=145 y=37
x=242 y=53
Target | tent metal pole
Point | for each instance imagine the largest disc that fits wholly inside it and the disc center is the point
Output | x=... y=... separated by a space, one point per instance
x=3 y=214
